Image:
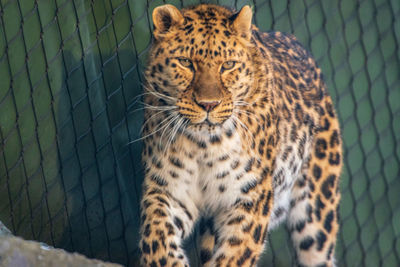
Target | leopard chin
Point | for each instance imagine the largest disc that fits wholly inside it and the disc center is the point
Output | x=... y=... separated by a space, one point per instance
x=207 y=128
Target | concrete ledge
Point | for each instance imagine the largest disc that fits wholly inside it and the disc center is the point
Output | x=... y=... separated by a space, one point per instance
x=4 y=230
x=17 y=252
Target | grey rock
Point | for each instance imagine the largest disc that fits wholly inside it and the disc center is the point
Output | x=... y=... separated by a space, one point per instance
x=4 y=230
x=17 y=252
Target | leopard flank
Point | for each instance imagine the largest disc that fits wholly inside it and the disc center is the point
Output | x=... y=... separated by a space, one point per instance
x=240 y=134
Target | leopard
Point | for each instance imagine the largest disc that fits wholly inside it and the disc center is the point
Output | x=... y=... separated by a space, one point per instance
x=240 y=135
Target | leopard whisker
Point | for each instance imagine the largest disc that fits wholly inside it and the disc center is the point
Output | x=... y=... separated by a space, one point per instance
x=156 y=93
x=173 y=134
x=238 y=126
x=241 y=103
x=162 y=108
x=149 y=90
x=155 y=131
x=158 y=107
x=244 y=111
x=248 y=114
x=246 y=130
x=162 y=135
x=150 y=118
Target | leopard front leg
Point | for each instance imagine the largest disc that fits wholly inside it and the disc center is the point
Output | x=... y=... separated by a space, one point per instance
x=166 y=221
x=313 y=217
x=207 y=239
x=242 y=229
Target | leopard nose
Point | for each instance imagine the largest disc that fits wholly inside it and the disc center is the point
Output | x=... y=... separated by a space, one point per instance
x=209 y=105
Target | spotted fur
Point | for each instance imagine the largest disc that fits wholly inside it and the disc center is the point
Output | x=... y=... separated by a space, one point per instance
x=240 y=131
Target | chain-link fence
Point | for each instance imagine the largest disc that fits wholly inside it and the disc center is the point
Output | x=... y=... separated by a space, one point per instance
x=69 y=75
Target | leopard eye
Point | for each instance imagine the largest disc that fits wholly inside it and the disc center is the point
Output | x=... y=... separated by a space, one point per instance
x=185 y=62
x=228 y=65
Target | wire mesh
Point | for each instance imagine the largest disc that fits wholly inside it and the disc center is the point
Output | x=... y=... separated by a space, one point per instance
x=70 y=72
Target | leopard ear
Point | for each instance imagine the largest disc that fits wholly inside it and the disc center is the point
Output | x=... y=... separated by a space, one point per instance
x=165 y=17
x=241 y=22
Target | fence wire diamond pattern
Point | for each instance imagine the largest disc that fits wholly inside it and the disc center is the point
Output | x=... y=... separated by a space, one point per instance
x=70 y=80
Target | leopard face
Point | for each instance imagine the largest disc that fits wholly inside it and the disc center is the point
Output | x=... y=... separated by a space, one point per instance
x=201 y=63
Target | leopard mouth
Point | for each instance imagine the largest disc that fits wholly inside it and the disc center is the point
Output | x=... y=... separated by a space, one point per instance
x=205 y=124
x=205 y=120
x=209 y=122
x=206 y=127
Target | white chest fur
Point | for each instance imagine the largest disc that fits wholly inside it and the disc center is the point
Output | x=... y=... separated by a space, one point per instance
x=210 y=179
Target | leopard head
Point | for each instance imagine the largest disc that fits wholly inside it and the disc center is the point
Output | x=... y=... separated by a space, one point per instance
x=201 y=61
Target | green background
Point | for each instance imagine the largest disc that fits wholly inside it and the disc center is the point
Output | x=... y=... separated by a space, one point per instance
x=70 y=71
